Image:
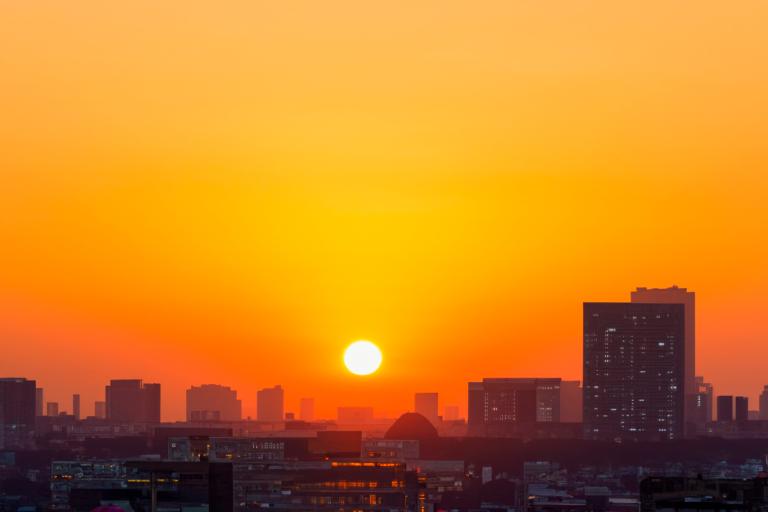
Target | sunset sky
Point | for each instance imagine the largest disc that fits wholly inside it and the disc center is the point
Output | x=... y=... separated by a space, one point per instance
x=207 y=192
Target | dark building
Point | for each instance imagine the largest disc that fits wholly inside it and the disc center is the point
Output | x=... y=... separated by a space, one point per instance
x=211 y=402
x=132 y=401
x=76 y=406
x=763 y=411
x=634 y=363
x=495 y=403
x=702 y=409
x=682 y=494
x=677 y=295
x=725 y=408
x=741 y=408
x=18 y=398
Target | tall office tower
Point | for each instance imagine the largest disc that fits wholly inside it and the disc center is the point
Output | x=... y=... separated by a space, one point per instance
x=426 y=405
x=496 y=403
x=571 y=400
x=132 y=401
x=213 y=402
x=100 y=409
x=702 y=407
x=764 y=403
x=269 y=404
x=52 y=409
x=17 y=413
x=307 y=409
x=76 y=406
x=634 y=365
x=451 y=413
x=741 y=408
x=39 y=401
x=725 y=408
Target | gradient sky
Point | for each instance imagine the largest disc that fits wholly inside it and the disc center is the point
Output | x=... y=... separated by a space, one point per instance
x=231 y=193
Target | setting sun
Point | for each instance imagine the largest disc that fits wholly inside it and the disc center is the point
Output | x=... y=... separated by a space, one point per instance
x=362 y=358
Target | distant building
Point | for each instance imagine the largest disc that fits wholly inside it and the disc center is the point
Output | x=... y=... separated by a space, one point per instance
x=634 y=362
x=100 y=409
x=211 y=402
x=498 y=403
x=354 y=415
x=764 y=403
x=725 y=408
x=451 y=413
x=741 y=408
x=17 y=412
x=132 y=401
x=76 y=406
x=702 y=411
x=426 y=405
x=39 y=402
x=307 y=409
x=571 y=398
x=676 y=295
x=52 y=409
x=269 y=404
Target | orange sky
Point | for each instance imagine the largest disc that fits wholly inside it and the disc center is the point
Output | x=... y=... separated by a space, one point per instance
x=231 y=193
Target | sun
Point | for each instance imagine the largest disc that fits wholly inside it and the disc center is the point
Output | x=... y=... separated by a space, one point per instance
x=362 y=358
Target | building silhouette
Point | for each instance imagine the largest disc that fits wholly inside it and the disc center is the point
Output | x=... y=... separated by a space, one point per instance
x=676 y=295
x=52 y=409
x=211 y=402
x=763 y=406
x=634 y=364
x=498 y=403
x=426 y=405
x=100 y=409
x=76 y=406
x=451 y=413
x=307 y=409
x=571 y=401
x=132 y=401
x=269 y=404
x=725 y=408
x=702 y=411
x=39 y=401
x=741 y=408
x=17 y=412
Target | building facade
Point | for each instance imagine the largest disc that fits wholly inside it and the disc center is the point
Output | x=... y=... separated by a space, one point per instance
x=211 y=402
x=270 y=404
x=496 y=403
x=426 y=405
x=132 y=401
x=18 y=398
x=634 y=368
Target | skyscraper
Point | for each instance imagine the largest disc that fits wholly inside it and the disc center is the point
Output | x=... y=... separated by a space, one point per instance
x=17 y=412
x=764 y=403
x=100 y=409
x=76 y=406
x=741 y=408
x=213 y=402
x=496 y=403
x=725 y=408
x=426 y=405
x=269 y=404
x=52 y=409
x=676 y=295
x=703 y=403
x=634 y=367
x=132 y=401
x=307 y=409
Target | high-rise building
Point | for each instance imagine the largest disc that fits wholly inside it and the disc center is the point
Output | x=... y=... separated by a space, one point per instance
x=132 y=401
x=269 y=404
x=634 y=364
x=426 y=405
x=495 y=403
x=39 y=401
x=211 y=402
x=307 y=409
x=764 y=403
x=701 y=412
x=100 y=409
x=451 y=413
x=741 y=408
x=52 y=409
x=17 y=412
x=571 y=399
x=76 y=406
x=725 y=408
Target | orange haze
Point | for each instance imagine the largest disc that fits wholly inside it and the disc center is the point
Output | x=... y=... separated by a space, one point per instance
x=231 y=192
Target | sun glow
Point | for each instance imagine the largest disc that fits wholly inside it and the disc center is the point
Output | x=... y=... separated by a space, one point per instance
x=362 y=358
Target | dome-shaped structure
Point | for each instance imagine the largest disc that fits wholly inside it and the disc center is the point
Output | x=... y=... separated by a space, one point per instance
x=411 y=425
